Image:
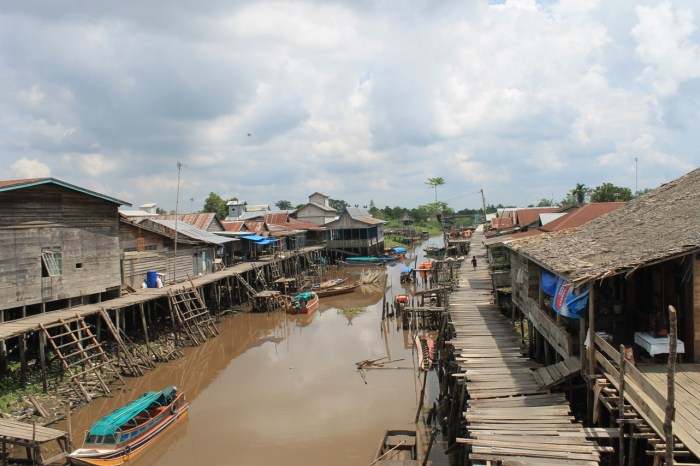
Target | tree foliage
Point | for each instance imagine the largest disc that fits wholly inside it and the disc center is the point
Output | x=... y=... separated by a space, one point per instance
x=608 y=192
x=338 y=205
x=545 y=203
x=434 y=183
x=216 y=204
x=577 y=196
x=284 y=205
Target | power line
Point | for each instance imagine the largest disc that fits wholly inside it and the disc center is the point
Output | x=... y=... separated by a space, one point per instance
x=463 y=195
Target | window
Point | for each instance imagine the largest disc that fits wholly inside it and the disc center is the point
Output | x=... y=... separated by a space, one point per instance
x=51 y=262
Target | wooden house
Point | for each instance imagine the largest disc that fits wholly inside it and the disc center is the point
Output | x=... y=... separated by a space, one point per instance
x=318 y=210
x=60 y=246
x=148 y=244
x=357 y=232
x=585 y=291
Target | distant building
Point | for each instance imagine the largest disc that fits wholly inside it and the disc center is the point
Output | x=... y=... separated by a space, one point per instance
x=241 y=210
x=357 y=232
x=317 y=210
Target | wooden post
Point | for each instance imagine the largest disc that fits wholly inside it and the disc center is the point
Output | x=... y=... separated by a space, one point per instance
x=143 y=322
x=422 y=393
x=23 y=359
x=591 y=348
x=42 y=360
x=671 y=386
x=621 y=405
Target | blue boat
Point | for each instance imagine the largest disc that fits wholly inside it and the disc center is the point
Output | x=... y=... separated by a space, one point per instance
x=408 y=274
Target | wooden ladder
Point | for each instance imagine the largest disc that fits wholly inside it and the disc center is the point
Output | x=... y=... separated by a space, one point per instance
x=192 y=315
x=80 y=355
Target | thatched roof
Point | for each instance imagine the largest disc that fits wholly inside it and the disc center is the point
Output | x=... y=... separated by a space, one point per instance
x=655 y=227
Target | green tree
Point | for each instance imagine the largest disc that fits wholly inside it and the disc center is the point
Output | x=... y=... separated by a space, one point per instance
x=608 y=192
x=577 y=195
x=284 y=205
x=642 y=192
x=434 y=183
x=216 y=204
x=545 y=203
x=373 y=210
x=338 y=205
x=160 y=211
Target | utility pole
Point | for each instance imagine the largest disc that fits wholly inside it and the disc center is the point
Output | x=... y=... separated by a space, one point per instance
x=177 y=202
x=636 y=188
x=483 y=203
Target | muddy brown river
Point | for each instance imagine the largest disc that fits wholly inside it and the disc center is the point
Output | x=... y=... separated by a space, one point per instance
x=277 y=389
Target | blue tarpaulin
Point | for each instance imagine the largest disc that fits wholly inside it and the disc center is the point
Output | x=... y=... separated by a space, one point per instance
x=254 y=237
x=264 y=241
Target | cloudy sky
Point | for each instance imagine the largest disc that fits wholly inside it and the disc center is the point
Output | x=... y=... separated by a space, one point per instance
x=362 y=100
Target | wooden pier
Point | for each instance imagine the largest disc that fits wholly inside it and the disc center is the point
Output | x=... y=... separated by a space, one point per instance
x=32 y=438
x=510 y=416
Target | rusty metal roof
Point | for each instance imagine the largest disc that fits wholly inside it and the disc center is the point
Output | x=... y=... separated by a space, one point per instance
x=11 y=185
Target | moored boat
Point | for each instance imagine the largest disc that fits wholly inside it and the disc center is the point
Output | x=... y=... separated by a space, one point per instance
x=122 y=435
x=397 y=446
x=336 y=290
x=425 y=346
x=303 y=303
x=328 y=284
x=408 y=274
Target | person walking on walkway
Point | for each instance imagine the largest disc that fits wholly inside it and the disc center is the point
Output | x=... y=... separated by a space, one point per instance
x=474 y=262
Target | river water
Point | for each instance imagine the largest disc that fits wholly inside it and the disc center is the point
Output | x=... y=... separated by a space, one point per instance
x=280 y=389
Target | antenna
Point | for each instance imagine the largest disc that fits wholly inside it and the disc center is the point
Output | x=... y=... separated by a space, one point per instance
x=177 y=202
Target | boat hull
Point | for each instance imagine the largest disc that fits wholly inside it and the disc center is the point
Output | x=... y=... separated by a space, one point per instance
x=336 y=290
x=307 y=308
x=87 y=456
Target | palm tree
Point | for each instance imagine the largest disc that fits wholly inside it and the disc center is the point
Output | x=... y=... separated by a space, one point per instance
x=434 y=183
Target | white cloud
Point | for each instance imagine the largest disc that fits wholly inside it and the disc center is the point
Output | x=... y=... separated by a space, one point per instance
x=665 y=46
x=357 y=100
x=26 y=168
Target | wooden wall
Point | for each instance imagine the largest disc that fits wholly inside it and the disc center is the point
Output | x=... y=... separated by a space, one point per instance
x=85 y=230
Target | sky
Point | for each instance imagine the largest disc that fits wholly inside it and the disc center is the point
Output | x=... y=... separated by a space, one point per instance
x=361 y=100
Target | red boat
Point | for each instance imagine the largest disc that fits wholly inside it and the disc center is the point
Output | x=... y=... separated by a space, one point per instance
x=303 y=303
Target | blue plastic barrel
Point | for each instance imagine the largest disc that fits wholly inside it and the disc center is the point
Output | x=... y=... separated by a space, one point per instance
x=151 y=278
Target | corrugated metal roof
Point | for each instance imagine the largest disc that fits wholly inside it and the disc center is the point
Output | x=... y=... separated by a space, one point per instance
x=233 y=225
x=201 y=220
x=531 y=215
x=192 y=232
x=11 y=185
x=582 y=215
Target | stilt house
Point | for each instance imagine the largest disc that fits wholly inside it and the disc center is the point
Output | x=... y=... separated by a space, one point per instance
x=357 y=232
x=60 y=246
x=585 y=291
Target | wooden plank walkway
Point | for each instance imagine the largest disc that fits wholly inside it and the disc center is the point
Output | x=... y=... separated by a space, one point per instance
x=687 y=401
x=510 y=416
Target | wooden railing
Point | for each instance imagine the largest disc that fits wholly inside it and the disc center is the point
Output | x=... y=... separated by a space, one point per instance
x=555 y=334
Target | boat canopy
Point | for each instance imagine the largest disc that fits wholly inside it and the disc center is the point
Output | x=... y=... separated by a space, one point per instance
x=305 y=295
x=363 y=259
x=111 y=423
x=399 y=249
x=406 y=270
